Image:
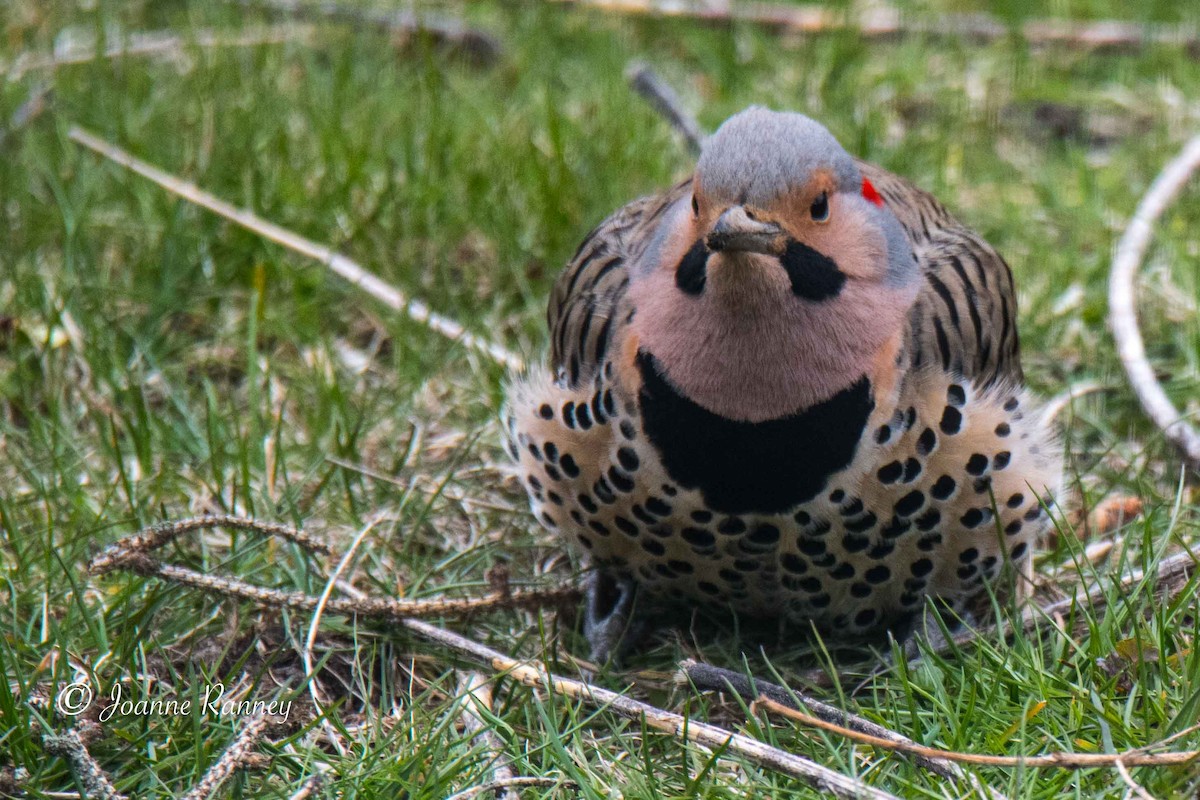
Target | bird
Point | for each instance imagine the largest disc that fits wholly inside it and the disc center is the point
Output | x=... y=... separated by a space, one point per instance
x=790 y=385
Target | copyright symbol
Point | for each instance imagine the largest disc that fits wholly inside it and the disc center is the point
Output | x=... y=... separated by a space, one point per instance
x=74 y=699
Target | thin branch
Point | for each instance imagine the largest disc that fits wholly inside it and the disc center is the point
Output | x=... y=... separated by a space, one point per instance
x=663 y=99
x=535 y=674
x=884 y=22
x=335 y=262
x=234 y=757
x=133 y=554
x=1057 y=404
x=69 y=745
x=163 y=533
x=708 y=677
x=1121 y=296
x=480 y=45
x=1135 y=758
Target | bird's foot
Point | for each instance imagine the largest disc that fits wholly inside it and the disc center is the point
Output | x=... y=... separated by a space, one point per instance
x=609 y=621
x=936 y=627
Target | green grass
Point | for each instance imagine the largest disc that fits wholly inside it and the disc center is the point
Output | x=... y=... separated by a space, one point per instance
x=156 y=362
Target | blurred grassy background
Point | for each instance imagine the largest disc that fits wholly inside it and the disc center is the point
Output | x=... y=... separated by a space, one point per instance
x=156 y=362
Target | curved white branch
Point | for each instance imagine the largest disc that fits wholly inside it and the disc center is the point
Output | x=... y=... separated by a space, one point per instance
x=1123 y=318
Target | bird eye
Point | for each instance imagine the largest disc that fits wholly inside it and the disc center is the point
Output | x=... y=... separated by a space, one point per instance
x=695 y=206
x=820 y=208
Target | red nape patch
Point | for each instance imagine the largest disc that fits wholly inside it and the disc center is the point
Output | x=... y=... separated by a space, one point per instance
x=870 y=194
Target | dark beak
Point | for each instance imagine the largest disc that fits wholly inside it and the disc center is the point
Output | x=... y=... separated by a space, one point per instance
x=736 y=231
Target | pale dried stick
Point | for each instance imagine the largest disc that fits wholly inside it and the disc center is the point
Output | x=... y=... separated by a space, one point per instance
x=234 y=756
x=384 y=609
x=1134 y=758
x=162 y=533
x=337 y=263
x=69 y=745
x=1057 y=404
x=535 y=674
x=1122 y=315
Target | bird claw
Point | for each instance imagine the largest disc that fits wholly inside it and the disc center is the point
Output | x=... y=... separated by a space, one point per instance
x=609 y=622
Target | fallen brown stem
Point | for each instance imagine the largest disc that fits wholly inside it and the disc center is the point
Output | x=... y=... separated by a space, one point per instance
x=884 y=22
x=334 y=261
x=133 y=554
x=157 y=535
x=1132 y=758
x=1122 y=316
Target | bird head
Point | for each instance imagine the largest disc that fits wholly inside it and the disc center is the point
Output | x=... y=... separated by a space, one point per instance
x=780 y=279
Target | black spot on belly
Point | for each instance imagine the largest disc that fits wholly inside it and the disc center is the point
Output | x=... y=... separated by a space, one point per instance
x=814 y=275
x=741 y=467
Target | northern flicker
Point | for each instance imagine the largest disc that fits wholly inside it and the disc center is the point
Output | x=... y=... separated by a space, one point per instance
x=791 y=385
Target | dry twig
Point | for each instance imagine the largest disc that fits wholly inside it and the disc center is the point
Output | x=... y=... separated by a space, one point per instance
x=1122 y=316
x=884 y=22
x=133 y=554
x=69 y=745
x=357 y=275
x=1133 y=758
